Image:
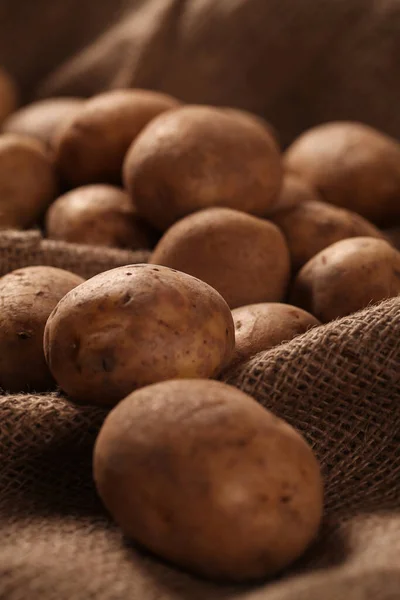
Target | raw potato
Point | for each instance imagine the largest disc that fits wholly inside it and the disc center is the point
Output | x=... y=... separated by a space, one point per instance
x=346 y=277
x=351 y=165
x=294 y=191
x=28 y=181
x=199 y=473
x=255 y=118
x=197 y=157
x=27 y=298
x=133 y=326
x=8 y=95
x=243 y=257
x=42 y=119
x=312 y=226
x=100 y=215
x=259 y=327
x=91 y=148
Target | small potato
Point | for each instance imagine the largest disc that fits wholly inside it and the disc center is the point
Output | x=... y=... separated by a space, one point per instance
x=92 y=146
x=347 y=277
x=351 y=165
x=133 y=326
x=312 y=226
x=245 y=258
x=294 y=191
x=198 y=157
x=28 y=181
x=200 y=474
x=261 y=326
x=42 y=119
x=27 y=297
x=8 y=95
x=100 y=215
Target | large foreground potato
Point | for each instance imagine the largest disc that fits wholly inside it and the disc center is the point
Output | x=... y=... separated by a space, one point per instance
x=197 y=157
x=347 y=277
x=133 y=326
x=91 y=148
x=261 y=326
x=28 y=181
x=351 y=165
x=8 y=95
x=100 y=215
x=202 y=475
x=312 y=226
x=42 y=119
x=27 y=297
x=243 y=257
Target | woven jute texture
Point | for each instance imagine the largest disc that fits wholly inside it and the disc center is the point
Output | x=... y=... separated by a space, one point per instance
x=338 y=384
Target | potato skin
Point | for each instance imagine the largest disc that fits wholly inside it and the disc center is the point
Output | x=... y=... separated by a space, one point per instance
x=27 y=298
x=198 y=157
x=294 y=191
x=243 y=257
x=259 y=327
x=91 y=148
x=133 y=326
x=28 y=181
x=199 y=473
x=42 y=119
x=8 y=95
x=312 y=226
x=100 y=215
x=347 y=277
x=351 y=165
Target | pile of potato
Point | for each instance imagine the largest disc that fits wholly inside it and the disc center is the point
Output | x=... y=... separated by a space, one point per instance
x=250 y=247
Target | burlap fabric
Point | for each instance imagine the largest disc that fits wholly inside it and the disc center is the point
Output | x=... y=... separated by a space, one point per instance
x=339 y=384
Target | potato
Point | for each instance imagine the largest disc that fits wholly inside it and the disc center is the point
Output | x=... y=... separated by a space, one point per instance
x=28 y=181
x=97 y=214
x=91 y=148
x=259 y=327
x=351 y=165
x=243 y=257
x=312 y=226
x=133 y=326
x=42 y=119
x=200 y=474
x=244 y=114
x=27 y=298
x=294 y=191
x=8 y=95
x=198 y=157
x=347 y=277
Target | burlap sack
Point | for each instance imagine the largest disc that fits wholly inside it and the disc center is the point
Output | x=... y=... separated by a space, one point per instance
x=338 y=384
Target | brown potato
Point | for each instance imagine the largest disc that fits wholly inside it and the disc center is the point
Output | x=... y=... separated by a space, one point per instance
x=312 y=226
x=28 y=181
x=27 y=298
x=245 y=258
x=100 y=215
x=202 y=475
x=198 y=157
x=294 y=191
x=351 y=165
x=259 y=327
x=91 y=148
x=133 y=326
x=249 y=115
x=42 y=119
x=347 y=277
x=8 y=95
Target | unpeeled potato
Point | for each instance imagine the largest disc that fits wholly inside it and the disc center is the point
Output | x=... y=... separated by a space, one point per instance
x=198 y=157
x=27 y=297
x=243 y=257
x=294 y=191
x=133 y=326
x=346 y=277
x=91 y=147
x=351 y=165
x=200 y=474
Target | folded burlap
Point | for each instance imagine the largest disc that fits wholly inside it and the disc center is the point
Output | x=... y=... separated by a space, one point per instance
x=338 y=384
